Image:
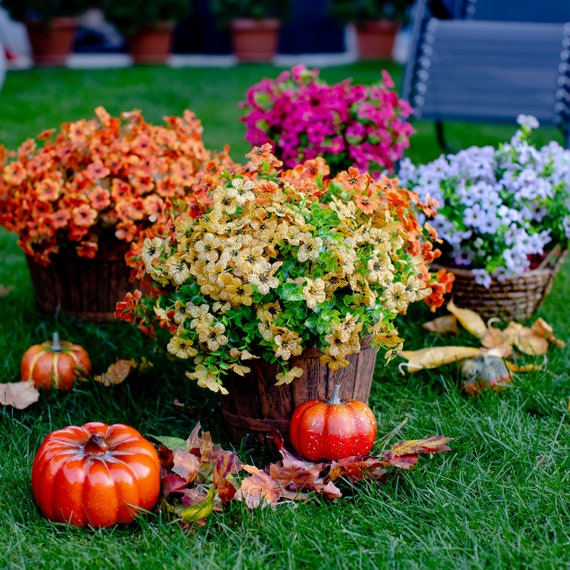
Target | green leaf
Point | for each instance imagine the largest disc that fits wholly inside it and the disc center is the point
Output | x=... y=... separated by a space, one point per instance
x=170 y=442
x=200 y=511
x=290 y=292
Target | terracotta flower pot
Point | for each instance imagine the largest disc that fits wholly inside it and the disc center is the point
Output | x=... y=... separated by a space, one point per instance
x=254 y=402
x=52 y=43
x=255 y=40
x=152 y=44
x=375 y=40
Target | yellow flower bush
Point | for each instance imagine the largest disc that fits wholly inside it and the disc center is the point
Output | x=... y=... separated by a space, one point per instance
x=284 y=260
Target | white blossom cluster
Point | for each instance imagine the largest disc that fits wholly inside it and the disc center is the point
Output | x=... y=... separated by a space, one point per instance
x=500 y=210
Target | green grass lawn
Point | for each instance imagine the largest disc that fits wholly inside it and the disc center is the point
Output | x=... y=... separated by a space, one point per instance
x=499 y=499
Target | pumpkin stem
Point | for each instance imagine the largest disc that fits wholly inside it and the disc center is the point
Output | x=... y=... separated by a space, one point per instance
x=55 y=345
x=96 y=445
x=335 y=398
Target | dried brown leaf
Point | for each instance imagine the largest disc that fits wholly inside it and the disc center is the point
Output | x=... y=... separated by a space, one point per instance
x=357 y=468
x=185 y=465
x=19 y=394
x=5 y=290
x=403 y=461
x=226 y=490
x=116 y=373
x=259 y=489
x=330 y=491
x=172 y=484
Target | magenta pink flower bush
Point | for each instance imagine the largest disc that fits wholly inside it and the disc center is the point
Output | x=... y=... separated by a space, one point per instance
x=349 y=125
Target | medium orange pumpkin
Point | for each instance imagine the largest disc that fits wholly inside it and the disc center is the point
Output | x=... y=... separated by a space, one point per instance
x=95 y=475
x=55 y=364
x=334 y=429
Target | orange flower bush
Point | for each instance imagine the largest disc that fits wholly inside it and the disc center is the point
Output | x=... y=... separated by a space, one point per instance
x=107 y=176
x=284 y=260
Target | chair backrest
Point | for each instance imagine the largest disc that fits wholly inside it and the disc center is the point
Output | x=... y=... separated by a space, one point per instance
x=537 y=11
x=488 y=71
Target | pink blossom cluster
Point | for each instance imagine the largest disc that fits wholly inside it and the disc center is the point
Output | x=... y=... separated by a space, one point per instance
x=349 y=125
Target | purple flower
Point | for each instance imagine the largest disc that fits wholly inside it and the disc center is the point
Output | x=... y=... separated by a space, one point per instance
x=498 y=206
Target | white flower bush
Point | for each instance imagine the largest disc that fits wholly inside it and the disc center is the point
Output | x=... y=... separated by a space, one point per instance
x=500 y=210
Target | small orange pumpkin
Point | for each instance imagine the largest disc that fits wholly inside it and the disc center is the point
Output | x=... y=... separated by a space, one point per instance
x=334 y=429
x=55 y=364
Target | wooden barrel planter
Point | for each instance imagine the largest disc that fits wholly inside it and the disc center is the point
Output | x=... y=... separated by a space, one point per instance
x=81 y=287
x=255 y=405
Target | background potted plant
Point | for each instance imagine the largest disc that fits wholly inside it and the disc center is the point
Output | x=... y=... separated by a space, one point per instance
x=287 y=285
x=254 y=25
x=78 y=198
x=504 y=217
x=376 y=22
x=147 y=26
x=51 y=26
x=349 y=125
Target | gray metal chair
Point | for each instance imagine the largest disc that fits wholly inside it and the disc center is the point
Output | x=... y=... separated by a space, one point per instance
x=543 y=11
x=488 y=71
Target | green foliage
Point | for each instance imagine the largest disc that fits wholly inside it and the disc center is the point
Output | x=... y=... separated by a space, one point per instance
x=369 y=10
x=44 y=9
x=130 y=16
x=226 y=10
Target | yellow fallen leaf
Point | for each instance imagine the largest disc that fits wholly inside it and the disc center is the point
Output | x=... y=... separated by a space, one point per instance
x=468 y=319
x=199 y=512
x=525 y=339
x=442 y=325
x=145 y=366
x=542 y=328
x=432 y=444
x=523 y=367
x=19 y=394
x=433 y=357
x=116 y=373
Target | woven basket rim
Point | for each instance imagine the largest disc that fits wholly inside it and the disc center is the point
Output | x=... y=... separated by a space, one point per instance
x=517 y=296
x=531 y=274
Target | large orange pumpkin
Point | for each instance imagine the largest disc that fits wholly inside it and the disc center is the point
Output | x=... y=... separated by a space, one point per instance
x=334 y=429
x=55 y=364
x=95 y=475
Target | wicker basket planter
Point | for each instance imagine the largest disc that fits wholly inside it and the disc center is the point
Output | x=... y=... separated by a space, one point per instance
x=81 y=287
x=254 y=402
x=516 y=298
